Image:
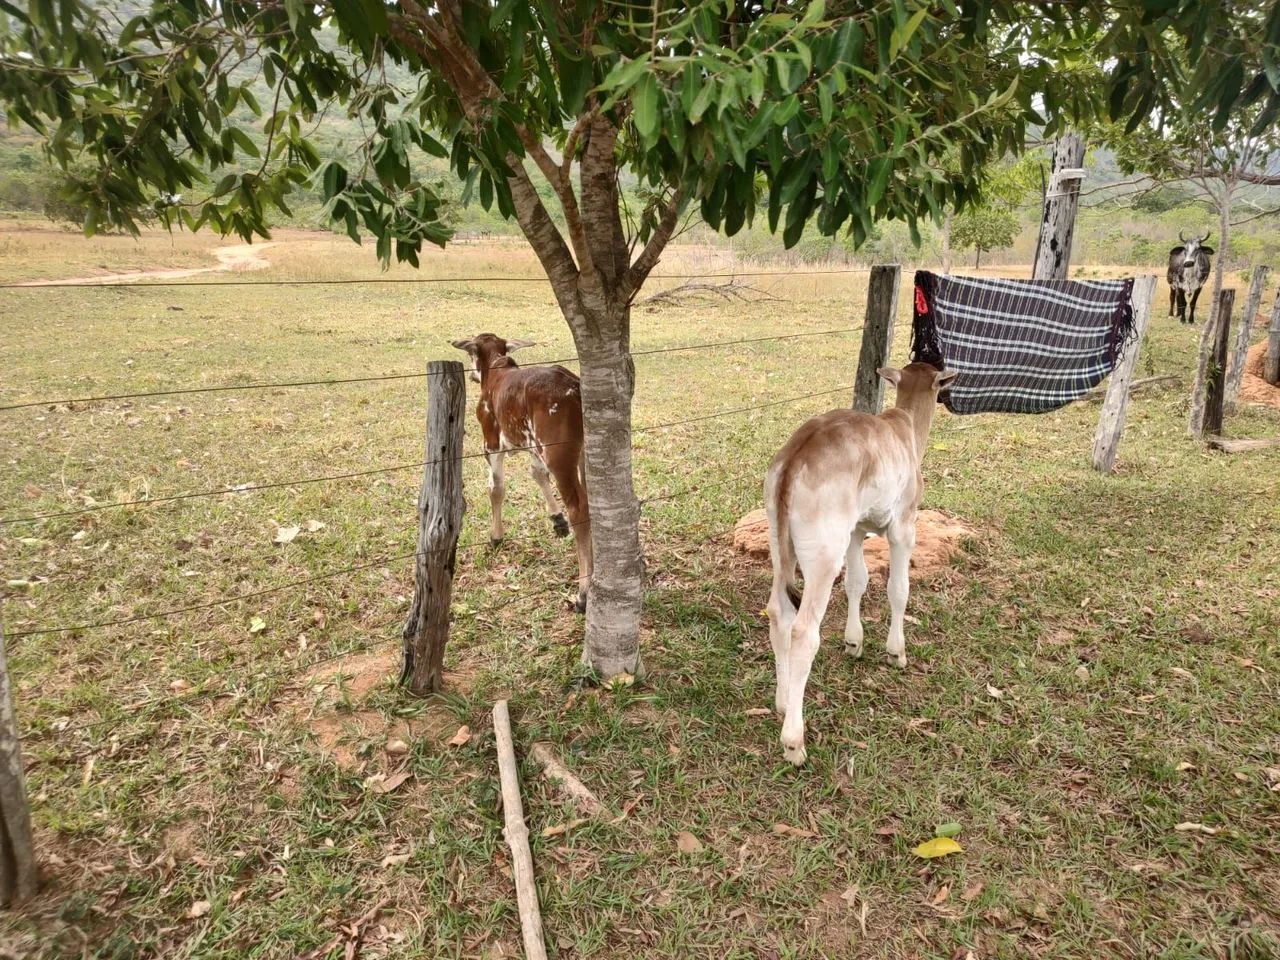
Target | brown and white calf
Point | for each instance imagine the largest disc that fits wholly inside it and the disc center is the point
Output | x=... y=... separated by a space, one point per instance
x=538 y=409
x=842 y=476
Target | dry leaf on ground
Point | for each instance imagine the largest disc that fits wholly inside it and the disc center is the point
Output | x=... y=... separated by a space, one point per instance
x=686 y=842
x=759 y=712
x=461 y=737
x=785 y=829
x=380 y=783
x=1189 y=827
x=937 y=847
x=199 y=909
x=286 y=534
x=972 y=892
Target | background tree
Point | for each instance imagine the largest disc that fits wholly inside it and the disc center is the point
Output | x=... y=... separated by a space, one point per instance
x=982 y=228
x=990 y=219
x=844 y=109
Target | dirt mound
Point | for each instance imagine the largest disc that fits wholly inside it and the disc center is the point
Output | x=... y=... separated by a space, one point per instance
x=337 y=709
x=938 y=539
x=1253 y=389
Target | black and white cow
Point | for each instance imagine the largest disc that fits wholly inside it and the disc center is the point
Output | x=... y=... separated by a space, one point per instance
x=1188 y=270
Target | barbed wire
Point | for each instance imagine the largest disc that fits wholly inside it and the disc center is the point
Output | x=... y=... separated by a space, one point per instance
x=283 y=384
x=351 y=281
x=392 y=468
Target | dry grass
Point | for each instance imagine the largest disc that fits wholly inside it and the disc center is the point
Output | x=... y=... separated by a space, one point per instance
x=189 y=759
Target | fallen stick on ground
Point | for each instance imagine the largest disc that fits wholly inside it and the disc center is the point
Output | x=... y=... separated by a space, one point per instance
x=1099 y=391
x=517 y=835
x=558 y=773
x=1242 y=446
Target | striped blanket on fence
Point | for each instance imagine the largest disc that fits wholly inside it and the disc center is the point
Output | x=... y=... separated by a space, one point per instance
x=1019 y=346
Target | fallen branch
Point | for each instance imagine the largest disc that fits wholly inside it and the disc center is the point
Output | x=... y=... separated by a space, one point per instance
x=1101 y=390
x=733 y=290
x=558 y=773
x=1242 y=446
x=517 y=835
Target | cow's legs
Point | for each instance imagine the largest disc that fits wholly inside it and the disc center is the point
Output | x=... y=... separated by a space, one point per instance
x=563 y=461
x=543 y=476
x=855 y=585
x=1182 y=305
x=497 y=492
x=1173 y=300
x=1194 y=297
x=782 y=615
x=819 y=576
x=902 y=541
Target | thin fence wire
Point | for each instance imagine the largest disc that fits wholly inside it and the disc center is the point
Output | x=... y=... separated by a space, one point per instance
x=364 y=646
x=284 y=384
x=393 y=468
x=353 y=281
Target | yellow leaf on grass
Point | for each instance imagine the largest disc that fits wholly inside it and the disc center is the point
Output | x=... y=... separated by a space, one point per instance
x=937 y=847
x=460 y=738
x=686 y=842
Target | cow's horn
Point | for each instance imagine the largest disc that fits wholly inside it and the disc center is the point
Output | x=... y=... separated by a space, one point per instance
x=1205 y=239
x=1181 y=237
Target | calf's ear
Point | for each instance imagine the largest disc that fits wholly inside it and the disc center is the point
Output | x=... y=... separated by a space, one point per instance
x=892 y=374
x=514 y=345
x=467 y=345
x=944 y=377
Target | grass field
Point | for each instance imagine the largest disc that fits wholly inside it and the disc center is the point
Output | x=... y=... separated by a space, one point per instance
x=211 y=784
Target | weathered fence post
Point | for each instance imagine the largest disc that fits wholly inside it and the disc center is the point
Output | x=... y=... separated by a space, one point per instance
x=17 y=851
x=1106 y=442
x=1216 y=381
x=1240 y=355
x=1058 y=219
x=440 y=509
x=877 y=336
x=1271 y=365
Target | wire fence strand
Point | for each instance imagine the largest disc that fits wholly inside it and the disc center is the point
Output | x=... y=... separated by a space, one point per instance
x=336 y=381
x=392 y=468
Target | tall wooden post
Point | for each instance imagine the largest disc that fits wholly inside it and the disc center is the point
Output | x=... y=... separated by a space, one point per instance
x=440 y=509
x=877 y=336
x=1240 y=355
x=1209 y=336
x=17 y=851
x=1106 y=441
x=1058 y=220
x=1271 y=364
x=1216 y=382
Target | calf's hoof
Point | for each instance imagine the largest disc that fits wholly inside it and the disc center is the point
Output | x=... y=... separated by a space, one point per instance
x=495 y=542
x=796 y=756
x=560 y=524
x=854 y=650
x=899 y=660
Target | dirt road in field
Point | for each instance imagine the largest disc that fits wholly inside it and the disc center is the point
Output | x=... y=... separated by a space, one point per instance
x=237 y=258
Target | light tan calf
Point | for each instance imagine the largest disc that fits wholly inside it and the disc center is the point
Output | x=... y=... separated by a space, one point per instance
x=842 y=476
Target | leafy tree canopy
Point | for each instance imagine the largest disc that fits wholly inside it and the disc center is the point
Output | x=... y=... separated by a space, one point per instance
x=843 y=108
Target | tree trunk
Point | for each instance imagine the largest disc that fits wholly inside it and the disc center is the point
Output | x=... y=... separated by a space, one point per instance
x=977 y=256
x=603 y=339
x=947 y=218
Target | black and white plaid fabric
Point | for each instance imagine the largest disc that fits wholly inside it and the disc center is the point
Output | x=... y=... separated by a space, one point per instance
x=1019 y=346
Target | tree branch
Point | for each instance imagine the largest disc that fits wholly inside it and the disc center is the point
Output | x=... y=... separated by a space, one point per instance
x=563 y=187
x=648 y=258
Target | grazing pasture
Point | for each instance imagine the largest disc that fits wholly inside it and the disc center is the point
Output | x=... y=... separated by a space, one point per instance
x=1091 y=690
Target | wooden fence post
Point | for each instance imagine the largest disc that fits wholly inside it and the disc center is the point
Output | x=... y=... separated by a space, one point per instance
x=1271 y=365
x=17 y=851
x=877 y=336
x=440 y=509
x=1058 y=219
x=1240 y=355
x=1216 y=381
x=1106 y=441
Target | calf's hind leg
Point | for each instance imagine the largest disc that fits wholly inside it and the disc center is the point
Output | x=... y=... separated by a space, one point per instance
x=543 y=476
x=819 y=577
x=855 y=585
x=902 y=541
x=497 y=492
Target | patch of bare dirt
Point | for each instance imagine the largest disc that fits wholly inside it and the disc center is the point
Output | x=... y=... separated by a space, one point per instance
x=938 y=539
x=237 y=258
x=335 y=708
x=1253 y=389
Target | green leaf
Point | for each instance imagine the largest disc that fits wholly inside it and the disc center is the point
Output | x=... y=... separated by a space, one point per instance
x=644 y=101
x=950 y=829
x=878 y=179
x=701 y=102
x=245 y=142
x=226 y=185
x=901 y=37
